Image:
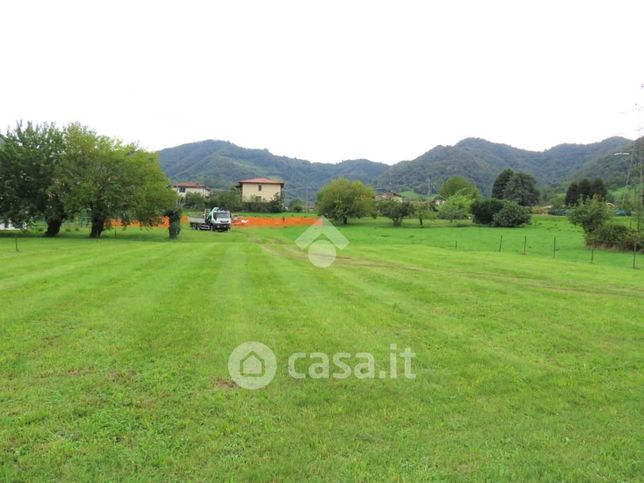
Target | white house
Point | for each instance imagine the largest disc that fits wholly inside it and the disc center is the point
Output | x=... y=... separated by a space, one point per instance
x=183 y=189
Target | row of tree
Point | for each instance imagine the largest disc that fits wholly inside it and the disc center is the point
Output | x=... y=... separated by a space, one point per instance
x=56 y=174
x=343 y=199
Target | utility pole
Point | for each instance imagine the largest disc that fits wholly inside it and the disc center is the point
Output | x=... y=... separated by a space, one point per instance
x=640 y=162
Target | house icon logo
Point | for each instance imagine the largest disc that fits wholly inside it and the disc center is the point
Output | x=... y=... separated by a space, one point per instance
x=321 y=240
x=252 y=365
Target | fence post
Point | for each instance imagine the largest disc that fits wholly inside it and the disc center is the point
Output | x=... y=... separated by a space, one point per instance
x=15 y=236
x=455 y=244
x=592 y=252
x=635 y=254
x=554 y=247
x=501 y=243
x=525 y=243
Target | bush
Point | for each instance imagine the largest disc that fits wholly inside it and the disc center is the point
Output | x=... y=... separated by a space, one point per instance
x=590 y=214
x=297 y=206
x=511 y=215
x=455 y=207
x=499 y=213
x=615 y=236
x=484 y=210
x=273 y=206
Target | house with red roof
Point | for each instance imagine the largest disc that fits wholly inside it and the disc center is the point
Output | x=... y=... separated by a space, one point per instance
x=260 y=189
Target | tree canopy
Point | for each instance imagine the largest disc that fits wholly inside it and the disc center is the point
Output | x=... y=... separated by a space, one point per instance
x=521 y=188
x=52 y=174
x=458 y=185
x=112 y=180
x=29 y=159
x=342 y=199
x=455 y=207
x=395 y=210
x=501 y=182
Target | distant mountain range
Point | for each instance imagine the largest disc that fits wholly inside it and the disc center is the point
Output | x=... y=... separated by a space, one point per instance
x=220 y=164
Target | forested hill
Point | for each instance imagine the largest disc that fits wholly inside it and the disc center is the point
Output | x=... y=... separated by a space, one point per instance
x=481 y=160
x=220 y=164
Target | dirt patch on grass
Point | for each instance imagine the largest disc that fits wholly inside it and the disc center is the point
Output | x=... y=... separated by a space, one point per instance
x=223 y=383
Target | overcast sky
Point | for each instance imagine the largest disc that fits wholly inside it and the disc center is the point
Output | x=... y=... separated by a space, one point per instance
x=326 y=80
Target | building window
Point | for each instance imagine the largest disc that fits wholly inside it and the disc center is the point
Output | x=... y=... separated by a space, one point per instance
x=259 y=187
x=182 y=189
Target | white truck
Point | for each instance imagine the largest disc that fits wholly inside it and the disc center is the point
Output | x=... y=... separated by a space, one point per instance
x=216 y=219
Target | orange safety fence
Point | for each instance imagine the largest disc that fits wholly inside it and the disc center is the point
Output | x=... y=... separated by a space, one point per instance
x=273 y=222
x=164 y=223
x=250 y=221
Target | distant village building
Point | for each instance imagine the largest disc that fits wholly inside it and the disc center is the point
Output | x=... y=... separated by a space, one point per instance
x=437 y=200
x=183 y=189
x=260 y=189
x=7 y=226
x=389 y=195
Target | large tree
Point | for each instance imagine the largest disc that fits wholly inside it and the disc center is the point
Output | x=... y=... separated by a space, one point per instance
x=521 y=188
x=572 y=194
x=342 y=199
x=458 y=185
x=501 y=182
x=29 y=159
x=585 y=190
x=598 y=189
x=395 y=210
x=110 y=180
x=455 y=207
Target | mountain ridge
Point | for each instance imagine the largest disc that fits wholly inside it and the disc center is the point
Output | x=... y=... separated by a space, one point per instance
x=221 y=163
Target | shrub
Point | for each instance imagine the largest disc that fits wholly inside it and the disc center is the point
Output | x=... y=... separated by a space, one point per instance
x=297 y=206
x=590 y=214
x=454 y=208
x=484 y=210
x=511 y=215
x=499 y=213
x=615 y=236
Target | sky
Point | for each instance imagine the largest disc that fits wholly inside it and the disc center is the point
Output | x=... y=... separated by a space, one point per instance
x=327 y=80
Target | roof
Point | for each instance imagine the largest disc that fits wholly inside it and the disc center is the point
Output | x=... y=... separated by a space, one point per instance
x=261 y=181
x=190 y=184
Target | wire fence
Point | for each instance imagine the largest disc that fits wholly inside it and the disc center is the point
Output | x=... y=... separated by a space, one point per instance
x=556 y=247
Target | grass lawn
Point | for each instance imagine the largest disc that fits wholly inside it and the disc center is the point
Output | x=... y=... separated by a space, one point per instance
x=113 y=356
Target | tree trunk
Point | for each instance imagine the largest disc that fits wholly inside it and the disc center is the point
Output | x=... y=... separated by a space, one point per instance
x=345 y=220
x=53 y=227
x=97 y=227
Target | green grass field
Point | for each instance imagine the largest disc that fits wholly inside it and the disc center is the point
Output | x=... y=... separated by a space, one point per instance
x=113 y=356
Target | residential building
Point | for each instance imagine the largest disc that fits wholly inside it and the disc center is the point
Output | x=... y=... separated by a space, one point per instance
x=260 y=189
